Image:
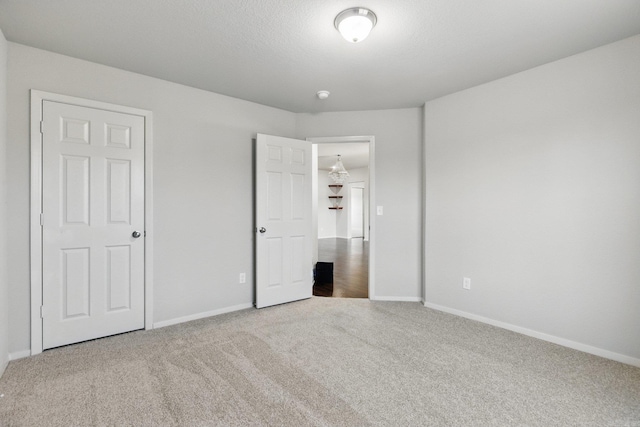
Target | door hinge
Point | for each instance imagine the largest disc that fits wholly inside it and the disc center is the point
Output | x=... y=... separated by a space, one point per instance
x=42 y=311
x=41 y=219
x=42 y=127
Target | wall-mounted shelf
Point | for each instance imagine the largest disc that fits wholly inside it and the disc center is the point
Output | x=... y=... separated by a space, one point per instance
x=335 y=199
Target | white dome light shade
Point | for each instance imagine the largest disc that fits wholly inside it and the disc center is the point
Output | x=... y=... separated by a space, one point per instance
x=323 y=94
x=355 y=24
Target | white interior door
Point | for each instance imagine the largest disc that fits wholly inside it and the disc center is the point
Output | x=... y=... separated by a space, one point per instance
x=93 y=210
x=283 y=220
x=357 y=211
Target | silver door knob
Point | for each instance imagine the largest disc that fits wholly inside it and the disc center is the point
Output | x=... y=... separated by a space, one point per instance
x=263 y=230
x=136 y=234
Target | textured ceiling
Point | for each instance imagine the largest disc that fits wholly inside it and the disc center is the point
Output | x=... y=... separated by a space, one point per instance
x=281 y=52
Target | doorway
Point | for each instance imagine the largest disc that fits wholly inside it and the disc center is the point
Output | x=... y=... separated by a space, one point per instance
x=344 y=249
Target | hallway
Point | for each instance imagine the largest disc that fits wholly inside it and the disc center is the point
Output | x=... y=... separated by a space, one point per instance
x=350 y=258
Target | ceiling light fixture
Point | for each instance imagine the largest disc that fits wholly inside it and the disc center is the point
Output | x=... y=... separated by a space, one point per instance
x=323 y=94
x=355 y=23
x=338 y=173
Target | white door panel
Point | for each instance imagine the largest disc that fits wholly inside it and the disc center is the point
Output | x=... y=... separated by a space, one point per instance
x=356 y=205
x=93 y=200
x=283 y=211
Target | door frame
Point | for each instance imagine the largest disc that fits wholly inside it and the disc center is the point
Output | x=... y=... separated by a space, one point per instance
x=37 y=99
x=369 y=139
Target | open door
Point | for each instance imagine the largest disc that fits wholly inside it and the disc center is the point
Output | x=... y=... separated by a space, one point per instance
x=283 y=173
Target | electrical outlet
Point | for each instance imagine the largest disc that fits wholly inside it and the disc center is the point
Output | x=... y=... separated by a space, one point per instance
x=380 y=210
x=466 y=283
x=243 y=278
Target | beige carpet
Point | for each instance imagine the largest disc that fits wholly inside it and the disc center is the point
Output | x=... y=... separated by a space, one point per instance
x=324 y=362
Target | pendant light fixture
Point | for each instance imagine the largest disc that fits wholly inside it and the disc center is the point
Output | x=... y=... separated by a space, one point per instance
x=338 y=173
x=355 y=23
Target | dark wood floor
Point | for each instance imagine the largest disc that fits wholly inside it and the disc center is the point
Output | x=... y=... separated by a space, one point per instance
x=350 y=258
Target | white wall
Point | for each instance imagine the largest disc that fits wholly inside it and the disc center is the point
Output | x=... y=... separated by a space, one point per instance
x=326 y=216
x=533 y=192
x=4 y=284
x=342 y=216
x=202 y=184
x=398 y=169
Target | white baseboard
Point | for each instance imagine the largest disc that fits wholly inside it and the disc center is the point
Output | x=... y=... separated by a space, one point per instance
x=405 y=299
x=26 y=353
x=19 y=354
x=197 y=316
x=542 y=336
